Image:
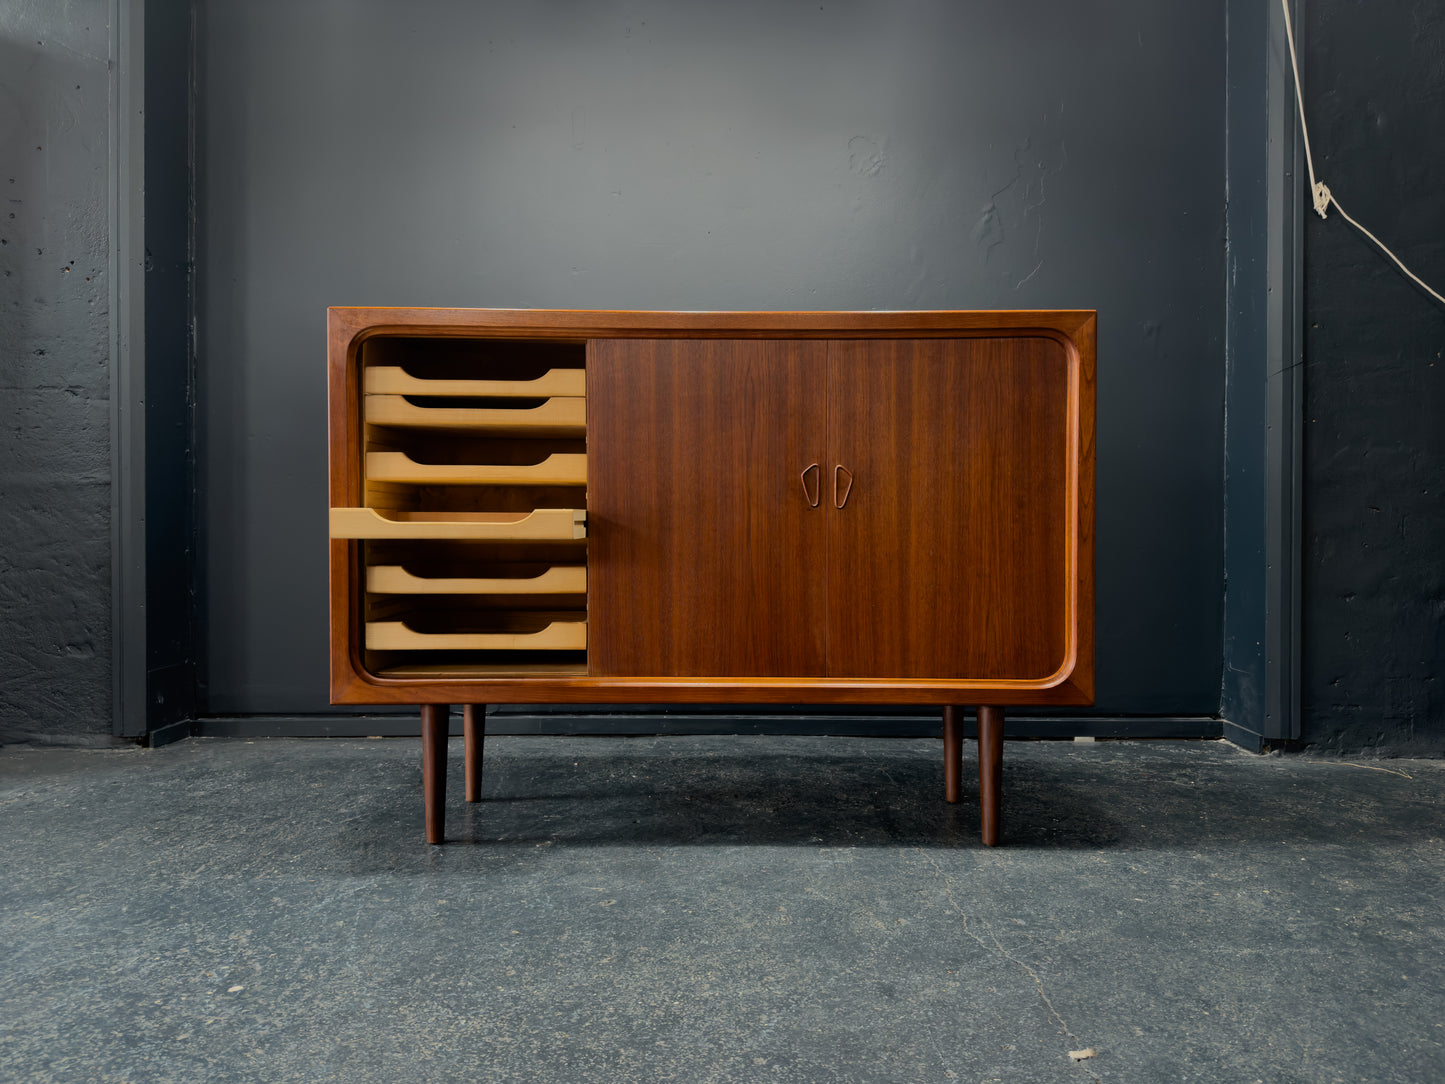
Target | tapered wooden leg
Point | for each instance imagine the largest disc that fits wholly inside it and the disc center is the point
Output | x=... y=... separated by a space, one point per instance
x=952 y=752
x=990 y=772
x=434 y=725
x=474 y=737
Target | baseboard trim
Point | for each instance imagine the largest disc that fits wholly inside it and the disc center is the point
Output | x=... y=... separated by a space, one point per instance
x=171 y=732
x=632 y=724
x=1247 y=740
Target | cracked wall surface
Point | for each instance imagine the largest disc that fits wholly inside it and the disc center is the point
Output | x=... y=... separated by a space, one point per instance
x=55 y=490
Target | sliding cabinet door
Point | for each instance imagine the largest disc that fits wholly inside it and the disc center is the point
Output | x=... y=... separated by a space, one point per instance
x=705 y=510
x=948 y=526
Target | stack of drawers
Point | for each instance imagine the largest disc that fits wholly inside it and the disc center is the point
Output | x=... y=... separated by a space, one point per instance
x=474 y=519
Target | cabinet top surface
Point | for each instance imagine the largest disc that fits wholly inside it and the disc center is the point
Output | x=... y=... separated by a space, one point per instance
x=584 y=323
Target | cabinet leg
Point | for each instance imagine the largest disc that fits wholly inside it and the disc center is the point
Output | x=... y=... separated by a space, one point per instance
x=474 y=737
x=990 y=772
x=434 y=726
x=952 y=752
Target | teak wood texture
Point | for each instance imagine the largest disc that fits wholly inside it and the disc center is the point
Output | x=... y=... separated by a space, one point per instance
x=393 y=380
x=711 y=561
x=551 y=417
x=947 y=557
x=774 y=507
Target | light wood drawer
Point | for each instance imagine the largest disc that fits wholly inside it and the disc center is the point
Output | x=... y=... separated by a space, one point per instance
x=545 y=524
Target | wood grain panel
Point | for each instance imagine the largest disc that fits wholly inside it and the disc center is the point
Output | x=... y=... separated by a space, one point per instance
x=551 y=580
x=558 y=416
x=394 y=380
x=546 y=329
x=399 y=636
x=949 y=558
x=560 y=469
x=543 y=524
x=706 y=558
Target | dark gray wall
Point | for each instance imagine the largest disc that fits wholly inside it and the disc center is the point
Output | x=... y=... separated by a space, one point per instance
x=55 y=475
x=1259 y=691
x=1242 y=691
x=1374 y=605
x=708 y=156
x=170 y=520
x=656 y=155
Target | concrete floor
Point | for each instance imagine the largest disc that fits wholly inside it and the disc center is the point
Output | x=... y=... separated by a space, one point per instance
x=718 y=909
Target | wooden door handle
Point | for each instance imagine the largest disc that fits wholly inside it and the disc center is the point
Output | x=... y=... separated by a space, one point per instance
x=815 y=495
x=840 y=500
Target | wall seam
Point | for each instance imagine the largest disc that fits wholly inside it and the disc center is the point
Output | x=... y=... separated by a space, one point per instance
x=127 y=365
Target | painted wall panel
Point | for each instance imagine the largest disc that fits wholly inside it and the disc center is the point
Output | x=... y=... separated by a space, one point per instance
x=658 y=154
x=55 y=480
x=1374 y=500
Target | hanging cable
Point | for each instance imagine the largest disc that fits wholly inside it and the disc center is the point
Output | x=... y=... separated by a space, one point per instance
x=1319 y=191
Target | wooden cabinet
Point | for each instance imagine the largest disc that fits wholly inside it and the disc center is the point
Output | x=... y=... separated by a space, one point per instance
x=732 y=507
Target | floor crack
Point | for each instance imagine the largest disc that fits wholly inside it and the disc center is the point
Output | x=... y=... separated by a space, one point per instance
x=1001 y=951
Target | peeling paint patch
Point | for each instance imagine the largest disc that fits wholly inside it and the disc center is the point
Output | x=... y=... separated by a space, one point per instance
x=1012 y=220
x=865 y=156
x=988 y=230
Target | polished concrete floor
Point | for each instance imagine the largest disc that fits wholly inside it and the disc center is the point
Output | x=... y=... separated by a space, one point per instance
x=718 y=909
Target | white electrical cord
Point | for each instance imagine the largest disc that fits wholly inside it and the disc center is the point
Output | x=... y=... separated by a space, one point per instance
x=1320 y=191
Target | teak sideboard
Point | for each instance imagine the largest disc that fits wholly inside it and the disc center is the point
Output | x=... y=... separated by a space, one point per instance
x=726 y=507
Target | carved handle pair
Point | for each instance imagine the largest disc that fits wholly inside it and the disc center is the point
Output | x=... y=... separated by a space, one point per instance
x=815 y=495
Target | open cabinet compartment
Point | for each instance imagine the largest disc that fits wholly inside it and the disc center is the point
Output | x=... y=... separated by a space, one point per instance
x=472 y=530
